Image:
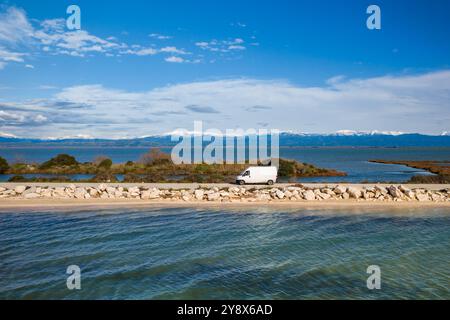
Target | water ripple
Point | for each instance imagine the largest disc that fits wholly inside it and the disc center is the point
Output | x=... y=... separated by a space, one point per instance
x=166 y=253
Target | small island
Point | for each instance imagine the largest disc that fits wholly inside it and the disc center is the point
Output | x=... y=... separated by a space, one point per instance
x=152 y=167
x=440 y=170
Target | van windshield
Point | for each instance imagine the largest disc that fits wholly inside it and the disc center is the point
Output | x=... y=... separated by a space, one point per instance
x=245 y=173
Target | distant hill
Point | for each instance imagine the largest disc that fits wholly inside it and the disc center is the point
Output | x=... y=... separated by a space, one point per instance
x=286 y=140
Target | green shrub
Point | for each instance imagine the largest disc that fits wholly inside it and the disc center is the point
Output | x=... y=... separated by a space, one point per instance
x=17 y=179
x=3 y=165
x=103 y=177
x=132 y=178
x=287 y=168
x=154 y=157
x=61 y=160
x=440 y=179
x=105 y=164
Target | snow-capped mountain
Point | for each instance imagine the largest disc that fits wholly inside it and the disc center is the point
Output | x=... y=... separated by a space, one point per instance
x=287 y=139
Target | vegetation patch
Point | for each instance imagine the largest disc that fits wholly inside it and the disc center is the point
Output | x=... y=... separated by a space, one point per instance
x=153 y=167
x=440 y=169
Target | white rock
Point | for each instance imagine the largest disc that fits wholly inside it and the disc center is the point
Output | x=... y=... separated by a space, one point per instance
x=422 y=197
x=145 y=195
x=395 y=192
x=410 y=194
x=381 y=190
x=104 y=195
x=59 y=192
x=354 y=192
x=403 y=189
x=213 y=196
x=93 y=193
x=29 y=190
x=436 y=197
x=325 y=196
x=111 y=190
x=309 y=195
x=154 y=193
x=263 y=197
x=199 y=193
x=47 y=193
x=280 y=194
x=32 y=196
x=79 y=193
x=340 y=190
x=20 y=189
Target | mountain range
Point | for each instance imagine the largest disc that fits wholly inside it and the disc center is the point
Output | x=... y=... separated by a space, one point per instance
x=287 y=139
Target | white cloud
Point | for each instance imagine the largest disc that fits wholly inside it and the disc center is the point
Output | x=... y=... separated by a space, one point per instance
x=236 y=47
x=14 y=26
x=51 y=37
x=159 y=36
x=174 y=59
x=202 y=44
x=7 y=135
x=9 y=56
x=152 y=51
x=173 y=50
x=223 y=46
x=238 y=24
x=402 y=103
x=47 y=87
x=143 y=52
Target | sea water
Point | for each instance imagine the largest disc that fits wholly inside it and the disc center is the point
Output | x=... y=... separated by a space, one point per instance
x=192 y=253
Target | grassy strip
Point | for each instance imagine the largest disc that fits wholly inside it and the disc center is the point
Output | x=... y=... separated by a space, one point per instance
x=441 y=169
x=152 y=167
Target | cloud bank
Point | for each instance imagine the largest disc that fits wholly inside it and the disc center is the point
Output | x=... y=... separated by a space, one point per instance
x=406 y=103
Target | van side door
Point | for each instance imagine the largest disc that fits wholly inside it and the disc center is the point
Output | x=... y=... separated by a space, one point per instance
x=251 y=176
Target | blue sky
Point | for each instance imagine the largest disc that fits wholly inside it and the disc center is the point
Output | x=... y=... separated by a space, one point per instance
x=138 y=68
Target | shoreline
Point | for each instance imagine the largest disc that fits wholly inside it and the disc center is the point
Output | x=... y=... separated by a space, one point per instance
x=194 y=195
x=37 y=204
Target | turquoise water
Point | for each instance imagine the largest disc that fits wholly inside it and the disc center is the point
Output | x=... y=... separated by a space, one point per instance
x=353 y=161
x=186 y=253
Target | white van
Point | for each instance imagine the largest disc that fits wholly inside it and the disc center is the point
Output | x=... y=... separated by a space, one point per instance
x=266 y=175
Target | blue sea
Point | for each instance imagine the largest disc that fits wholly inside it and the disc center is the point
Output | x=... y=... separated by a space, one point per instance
x=260 y=253
x=354 y=161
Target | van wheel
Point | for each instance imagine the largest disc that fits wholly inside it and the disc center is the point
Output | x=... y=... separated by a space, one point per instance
x=241 y=182
x=270 y=182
